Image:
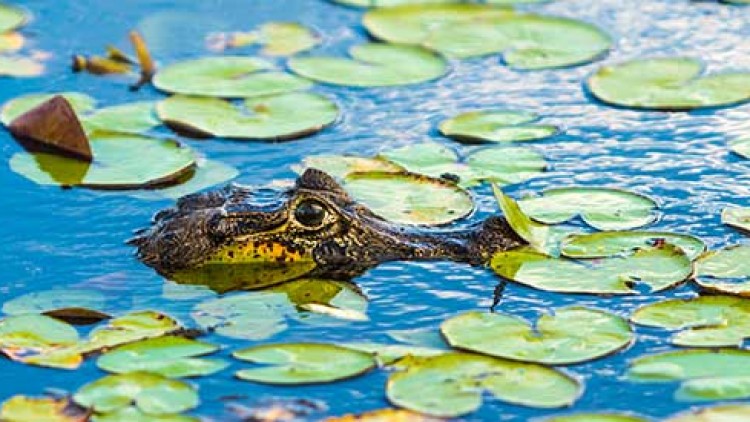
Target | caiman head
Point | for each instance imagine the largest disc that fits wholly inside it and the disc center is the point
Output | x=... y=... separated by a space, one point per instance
x=253 y=238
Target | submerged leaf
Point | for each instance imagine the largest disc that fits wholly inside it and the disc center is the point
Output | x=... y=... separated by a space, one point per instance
x=496 y=126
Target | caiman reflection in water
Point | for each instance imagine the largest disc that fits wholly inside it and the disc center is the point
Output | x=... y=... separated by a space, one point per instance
x=238 y=238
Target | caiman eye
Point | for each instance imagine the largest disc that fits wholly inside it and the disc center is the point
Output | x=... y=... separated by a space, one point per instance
x=310 y=213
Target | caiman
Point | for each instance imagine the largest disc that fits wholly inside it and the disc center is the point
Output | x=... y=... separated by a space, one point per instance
x=313 y=229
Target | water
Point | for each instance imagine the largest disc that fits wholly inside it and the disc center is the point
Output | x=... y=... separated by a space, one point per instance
x=55 y=238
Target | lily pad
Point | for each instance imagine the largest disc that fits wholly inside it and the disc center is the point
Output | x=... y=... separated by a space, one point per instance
x=47 y=409
x=385 y=415
x=569 y=335
x=527 y=41
x=30 y=334
x=150 y=393
x=170 y=356
x=725 y=271
x=373 y=65
x=390 y=354
x=260 y=118
x=81 y=104
x=11 y=42
x=226 y=77
x=601 y=208
x=722 y=413
x=389 y=3
x=658 y=268
x=138 y=117
x=72 y=306
x=496 y=126
x=740 y=147
x=705 y=321
x=207 y=173
x=537 y=234
x=408 y=198
x=595 y=417
x=452 y=384
x=673 y=84
x=340 y=166
x=278 y=38
x=718 y=374
x=500 y=165
x=303 y=363
x=133 y=414
x=20 y=67
x=736 y=217
x=121 y=161
x=611 y=243
x=11 y=17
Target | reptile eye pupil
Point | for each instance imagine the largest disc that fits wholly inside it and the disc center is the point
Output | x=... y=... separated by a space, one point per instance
x=310 y=213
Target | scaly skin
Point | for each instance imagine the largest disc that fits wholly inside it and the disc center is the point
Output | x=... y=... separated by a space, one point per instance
x=316 y=223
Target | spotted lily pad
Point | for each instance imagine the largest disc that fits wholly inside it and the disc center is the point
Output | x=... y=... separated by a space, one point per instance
x=736 y=217
x=741 y=147
x=674 y=83
x=81 y=104
x=721 y=413
x=263 y=118
x=226 y=77
x=496 y=126
x=373 y=65
x=725 y=271
x=527 y=41
x=451 y=385
x=302 y=363
x=47 y=409
x=658 y=268
x=611 y=243
x=11 y=17
x=595 y=417
x=121 y=161
x=601 y=208
x=409 y=198
x=718 y=374
x=500 y=165
x=65 y=304
x=150 y=393
x=340 y=166
x=569 y=335
x=705 y=321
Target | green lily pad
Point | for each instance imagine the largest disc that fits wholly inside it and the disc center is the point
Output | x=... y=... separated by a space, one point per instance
x=73 y=306
x=170 y=356
x=11 y=17
x=303 y=363
x=340 y=166
x=32 y=409
x=259 y=315
x=611 y=243
x=263 y=118
x=408 y=198
x=736 y=217
x=283 y=38
x=133 y=118
x=721 y=413
x=718 y=374
x=29 y=334
x=390 y=354
x=569 y=335
x=740 y=147
x=674 y=84
x=705 y=321
x=601 y=208
x=133 y=414
x=500 y=165
x=527 y=41
x=373 y=65
x=226 y=77
x=11 y=42
x=389 y=3
x=121 y=161
x=725 y=271
x=451 y=385
x=595 y=417
x=537 y=234
x=81 y=104
x=20 y=67
x=151 y=393
x=496 y=126
x=207 y=173
x=658 y=268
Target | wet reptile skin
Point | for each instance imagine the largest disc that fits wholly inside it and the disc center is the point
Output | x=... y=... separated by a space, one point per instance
x=315 y=221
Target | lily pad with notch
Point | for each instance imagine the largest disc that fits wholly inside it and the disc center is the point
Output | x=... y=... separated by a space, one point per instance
x=527 y=41
x=259 y=118
x=669 y=83
x=612 y=243
x=373 y=65
x=302 y=363
x=489 y=126
x=72 y=306
x=566 y=336
x=725 y=271
x=227 y=77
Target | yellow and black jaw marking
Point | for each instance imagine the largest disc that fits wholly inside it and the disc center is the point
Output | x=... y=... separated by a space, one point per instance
x=265 y=252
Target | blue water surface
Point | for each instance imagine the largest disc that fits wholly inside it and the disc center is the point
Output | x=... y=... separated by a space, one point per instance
x=74 y=238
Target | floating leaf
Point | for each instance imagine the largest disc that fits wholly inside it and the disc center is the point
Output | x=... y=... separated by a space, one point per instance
x=659 y=268
x=496 y=126
x=595 y=417
x=722 y=413
x=500 y=165
x=385 y=415
x=736 y=217
x=452 y=384
x=47 y=409
x=719 y=374
x=537 y=234
x=207 y=173
x=302 y=363
x=121 y=161
x=72 y=306
x=133 y=414
x=389 y=354
x=11 y=42
x=30 y=334
x=81 y=104
x=263 y=118
x=11 y=17
x=569 y=335
x=705 y=321
x=280 y=38
x=373 y=65
x=340 y=166
x=226 y=77
x=725 y=271
x=408 y=198
x=611 y=243
x=20 y=67
x=169 y=356
x=426 y=337
x=389 y=3
x=601 y=208
x=740 y=147
x=673 y=84
x=150 y=393
x=468 y=30
x=133 y=118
